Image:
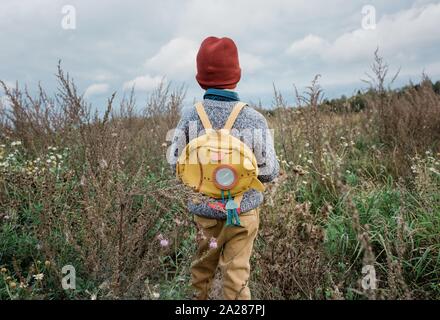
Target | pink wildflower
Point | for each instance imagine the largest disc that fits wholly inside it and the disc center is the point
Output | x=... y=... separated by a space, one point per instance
x=164 y=243
x=213 y=243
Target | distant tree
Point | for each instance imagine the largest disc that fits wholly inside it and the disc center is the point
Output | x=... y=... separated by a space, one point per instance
x=358 y=103
x=436 y=87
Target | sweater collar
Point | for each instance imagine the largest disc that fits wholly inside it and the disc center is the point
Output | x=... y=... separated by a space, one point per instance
x=221 y=95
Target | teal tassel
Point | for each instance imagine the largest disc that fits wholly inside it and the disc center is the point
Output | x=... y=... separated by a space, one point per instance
x=237 y=219
x=229 y=218
x=231 y=206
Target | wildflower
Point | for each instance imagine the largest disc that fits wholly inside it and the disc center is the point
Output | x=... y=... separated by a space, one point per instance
x=59 y=156
x=309 y=161
x=48 y=161
x=345 y=144
x=164 y=243
x=299 y=170
x=12 y=285
x=3 y=270
x=156 y=295
x=304 y=182
x=307 y=145
x=47 y=263
x=103 y=164
x=164 y=144
x=23 y=285
x=213 y=243
x=38 y=277
x=16 y=143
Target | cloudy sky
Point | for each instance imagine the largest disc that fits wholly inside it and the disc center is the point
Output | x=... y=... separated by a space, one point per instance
x=118 y=44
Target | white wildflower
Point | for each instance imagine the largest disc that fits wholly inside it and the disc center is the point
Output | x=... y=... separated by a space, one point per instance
x=156 y=295
x=16 y=143
x=103 y=164
x=38 y=277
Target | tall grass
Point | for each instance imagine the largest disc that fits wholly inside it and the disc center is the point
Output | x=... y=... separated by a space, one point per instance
x=356 y=189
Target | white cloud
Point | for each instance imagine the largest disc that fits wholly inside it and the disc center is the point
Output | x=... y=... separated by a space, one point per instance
x=253 y=20
x=96 y=89
x=144 y=83
x=103 y=76
x=176 y=59
x=399 y=33
x=309 y=45
x=250 y=63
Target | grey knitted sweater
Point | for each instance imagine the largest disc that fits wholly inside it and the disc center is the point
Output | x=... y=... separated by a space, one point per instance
x=250 y=126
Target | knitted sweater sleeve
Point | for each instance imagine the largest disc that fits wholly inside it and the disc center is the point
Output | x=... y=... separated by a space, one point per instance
x=179 y=140
x=264 y=151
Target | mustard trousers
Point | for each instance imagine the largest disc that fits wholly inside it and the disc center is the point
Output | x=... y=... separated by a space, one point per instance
x=229 y=248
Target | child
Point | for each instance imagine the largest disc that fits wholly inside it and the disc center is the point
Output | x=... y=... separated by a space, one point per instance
x=230 y=248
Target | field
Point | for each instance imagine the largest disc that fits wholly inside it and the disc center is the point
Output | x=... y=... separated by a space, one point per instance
x=358 y=195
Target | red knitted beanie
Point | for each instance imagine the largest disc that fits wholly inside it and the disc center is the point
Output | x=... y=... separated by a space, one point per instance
x=217 y=64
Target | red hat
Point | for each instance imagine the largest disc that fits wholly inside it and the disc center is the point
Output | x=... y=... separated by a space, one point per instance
x=217 y=64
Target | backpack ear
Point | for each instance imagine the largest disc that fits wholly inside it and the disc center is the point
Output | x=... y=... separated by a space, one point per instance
x=247 y=164
x=257 y=185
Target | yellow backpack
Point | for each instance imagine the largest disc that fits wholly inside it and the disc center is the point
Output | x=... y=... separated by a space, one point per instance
x=219 y=165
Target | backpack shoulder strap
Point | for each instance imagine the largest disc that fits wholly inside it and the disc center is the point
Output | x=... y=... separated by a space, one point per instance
x=233 y=116
x=203 y=116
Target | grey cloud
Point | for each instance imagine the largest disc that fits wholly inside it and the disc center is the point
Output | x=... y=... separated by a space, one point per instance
x=120 y=43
